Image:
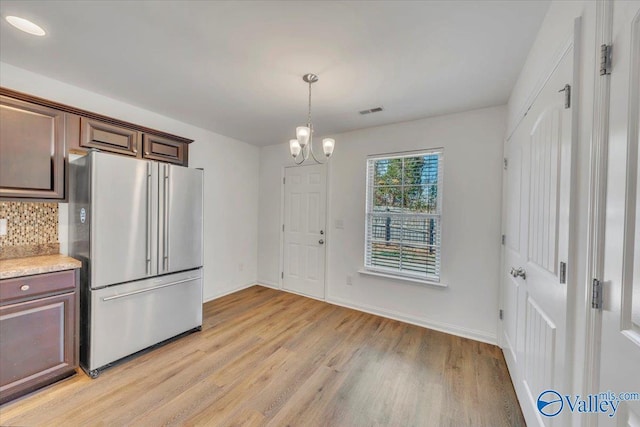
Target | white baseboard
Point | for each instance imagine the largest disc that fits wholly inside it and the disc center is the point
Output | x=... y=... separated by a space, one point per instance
x=239 y=288
x=438 y=326
x=268 y=284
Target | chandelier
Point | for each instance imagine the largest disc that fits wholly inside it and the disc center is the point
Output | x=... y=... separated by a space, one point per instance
x=302 y=146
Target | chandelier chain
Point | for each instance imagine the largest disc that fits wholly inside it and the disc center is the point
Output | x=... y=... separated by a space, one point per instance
x=309 y=116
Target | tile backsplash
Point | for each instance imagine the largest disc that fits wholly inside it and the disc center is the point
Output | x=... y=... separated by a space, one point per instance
x=32 y=229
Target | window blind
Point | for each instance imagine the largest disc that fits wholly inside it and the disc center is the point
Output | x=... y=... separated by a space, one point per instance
x=403 y=217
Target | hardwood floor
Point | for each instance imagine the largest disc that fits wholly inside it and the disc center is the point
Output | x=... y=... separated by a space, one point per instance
x=266 y=357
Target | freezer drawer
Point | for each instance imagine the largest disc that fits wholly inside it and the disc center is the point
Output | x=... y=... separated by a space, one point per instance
x=130 y=317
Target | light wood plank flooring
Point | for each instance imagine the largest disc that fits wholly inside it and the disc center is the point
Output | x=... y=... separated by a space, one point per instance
x=266 y=357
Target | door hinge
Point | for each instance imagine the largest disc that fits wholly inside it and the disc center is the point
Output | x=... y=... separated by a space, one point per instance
x=567 y=95
x=501 y=314
x=563 y=272
x=596 y=294
x=283 y=180
x=605 y=59
x=505 y=163
x=282 y=227
x=282 y=275
x=504 y=239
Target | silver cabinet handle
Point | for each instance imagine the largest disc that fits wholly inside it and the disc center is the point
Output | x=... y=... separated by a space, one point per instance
x=149 y=210
x=321 y=241
x=24 y=287
x=165 y=261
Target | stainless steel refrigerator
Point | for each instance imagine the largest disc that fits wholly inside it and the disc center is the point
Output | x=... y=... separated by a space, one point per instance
x=136 y=225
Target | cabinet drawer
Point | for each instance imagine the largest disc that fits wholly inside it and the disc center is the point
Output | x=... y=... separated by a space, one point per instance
x=116 y=139
x=22 y=288
x=164 y=149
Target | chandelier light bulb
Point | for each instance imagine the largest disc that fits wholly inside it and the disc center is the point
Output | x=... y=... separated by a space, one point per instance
x=294 y=147
x=327 y=146
x=303 y=133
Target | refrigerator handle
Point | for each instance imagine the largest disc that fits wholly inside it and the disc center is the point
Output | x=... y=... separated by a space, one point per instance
x=149 y=219
x=165 y=261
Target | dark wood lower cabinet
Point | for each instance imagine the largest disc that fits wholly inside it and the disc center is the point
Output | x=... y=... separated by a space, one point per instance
x=38 y=337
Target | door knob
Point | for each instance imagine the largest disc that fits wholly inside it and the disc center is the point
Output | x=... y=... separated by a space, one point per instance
x=518 y=272
x=321 y=241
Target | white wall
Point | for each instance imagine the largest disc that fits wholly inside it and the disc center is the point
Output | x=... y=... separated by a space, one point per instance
x=472 y=143
x=556 y=28
x=231 y=178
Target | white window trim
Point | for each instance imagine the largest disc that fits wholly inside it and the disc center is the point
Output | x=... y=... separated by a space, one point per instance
x=397 y=274
x=401 y=276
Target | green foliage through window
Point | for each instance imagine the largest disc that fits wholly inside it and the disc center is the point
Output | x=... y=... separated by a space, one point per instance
x=403 y=214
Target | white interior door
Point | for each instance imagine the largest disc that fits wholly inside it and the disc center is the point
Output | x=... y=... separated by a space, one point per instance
x=620 y=339
x=305 y=198
x=537 y=196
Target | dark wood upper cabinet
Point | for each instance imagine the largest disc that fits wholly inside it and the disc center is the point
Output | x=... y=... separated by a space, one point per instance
x=117 y=139
x=37 y=134
x=32 y=150
x=164 y=149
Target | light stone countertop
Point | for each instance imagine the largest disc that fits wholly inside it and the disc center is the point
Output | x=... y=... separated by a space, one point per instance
x=28 y=266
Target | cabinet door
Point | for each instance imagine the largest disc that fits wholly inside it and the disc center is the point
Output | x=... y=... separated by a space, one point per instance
x=164 y=149
x=32 y=150
x=37 y=344
x=116 y=139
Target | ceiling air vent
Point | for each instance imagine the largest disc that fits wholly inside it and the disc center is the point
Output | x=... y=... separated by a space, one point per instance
x=371 y=110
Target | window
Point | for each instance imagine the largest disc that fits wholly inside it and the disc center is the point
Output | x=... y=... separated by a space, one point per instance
x=404 y=203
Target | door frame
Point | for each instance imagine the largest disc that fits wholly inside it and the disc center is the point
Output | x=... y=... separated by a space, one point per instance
x=326 y=229
x=596 y=213
x=596 y=220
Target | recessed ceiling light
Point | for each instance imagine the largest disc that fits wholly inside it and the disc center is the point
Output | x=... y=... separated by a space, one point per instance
x=25 y=25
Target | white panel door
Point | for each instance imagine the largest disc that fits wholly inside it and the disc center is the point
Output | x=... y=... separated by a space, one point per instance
x=620 y=339
x=304 y=229
x=537 y=195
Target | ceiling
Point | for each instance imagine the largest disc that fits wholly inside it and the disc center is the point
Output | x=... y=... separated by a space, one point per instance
x=235 y=67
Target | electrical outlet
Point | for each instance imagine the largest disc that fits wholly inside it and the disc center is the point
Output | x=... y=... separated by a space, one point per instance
x=349 y=280
x=3 y=226
x=241 y=267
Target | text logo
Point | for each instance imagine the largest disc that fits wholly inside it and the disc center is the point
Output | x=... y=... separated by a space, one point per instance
x=550 y=403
